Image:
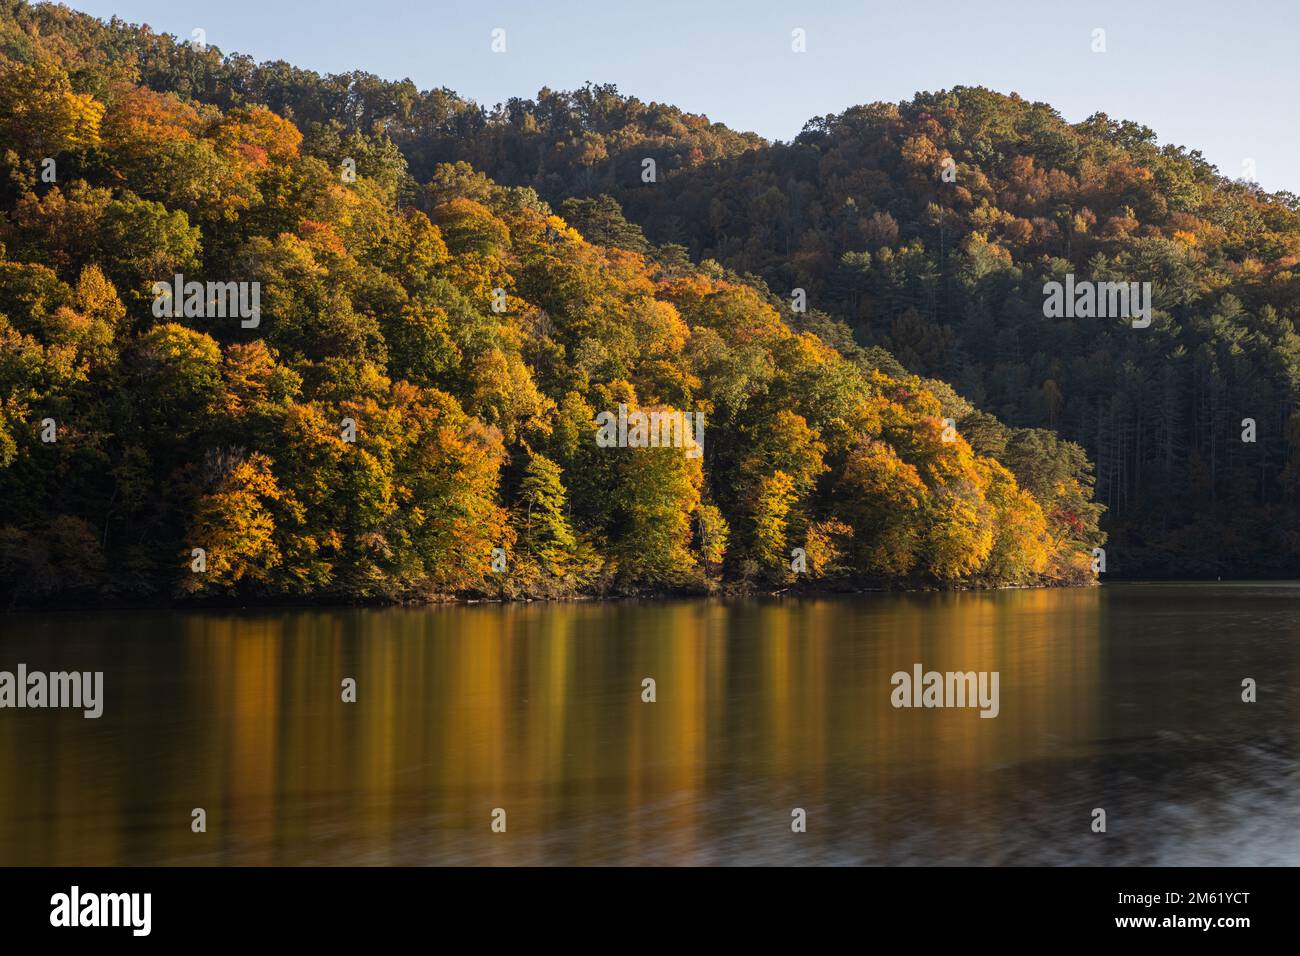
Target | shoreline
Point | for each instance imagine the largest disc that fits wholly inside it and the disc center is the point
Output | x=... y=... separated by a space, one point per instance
x=726 y=591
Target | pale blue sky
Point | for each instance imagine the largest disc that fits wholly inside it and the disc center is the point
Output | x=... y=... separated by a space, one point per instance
x=1219 y=77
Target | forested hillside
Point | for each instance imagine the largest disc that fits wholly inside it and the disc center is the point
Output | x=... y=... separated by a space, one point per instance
x=1192 y=422
x=947 y=274
x=943 y=273
x=412 y=412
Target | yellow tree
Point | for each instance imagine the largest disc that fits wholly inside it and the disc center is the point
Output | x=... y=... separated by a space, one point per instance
x=235 y=526
x=883 y=499
x=40 y=115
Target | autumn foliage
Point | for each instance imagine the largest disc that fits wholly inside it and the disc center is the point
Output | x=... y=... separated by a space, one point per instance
x=468 y=336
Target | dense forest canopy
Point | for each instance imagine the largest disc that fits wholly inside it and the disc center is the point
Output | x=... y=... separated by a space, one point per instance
x=451 y=296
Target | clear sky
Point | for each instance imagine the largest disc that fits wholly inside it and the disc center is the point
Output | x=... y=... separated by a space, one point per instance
x=1215 y=76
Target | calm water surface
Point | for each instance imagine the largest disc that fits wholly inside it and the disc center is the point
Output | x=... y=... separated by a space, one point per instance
x=1126 y=697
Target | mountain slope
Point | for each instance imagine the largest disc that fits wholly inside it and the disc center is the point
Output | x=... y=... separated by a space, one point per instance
x=1192 y=422
x=946 y=276
x=404 y=405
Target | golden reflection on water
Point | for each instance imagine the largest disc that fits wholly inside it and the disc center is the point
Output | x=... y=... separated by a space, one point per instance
x=761 y=706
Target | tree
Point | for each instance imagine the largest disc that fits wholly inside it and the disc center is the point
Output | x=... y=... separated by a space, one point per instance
x=40 y=114
x=543 y=526
x=235 y=526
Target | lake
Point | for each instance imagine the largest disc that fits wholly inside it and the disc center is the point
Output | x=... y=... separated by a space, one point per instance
x=1126 y=698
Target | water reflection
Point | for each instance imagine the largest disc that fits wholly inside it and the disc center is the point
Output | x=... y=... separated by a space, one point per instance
x=1125 y=697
